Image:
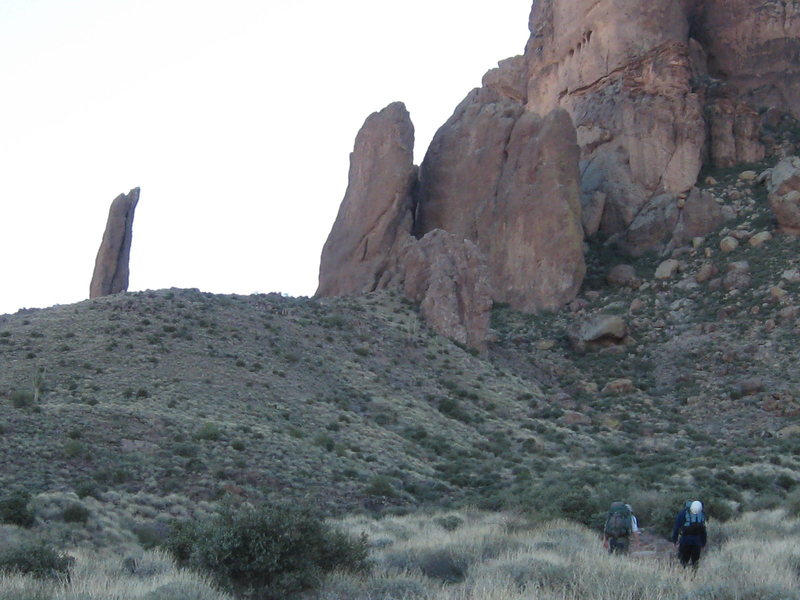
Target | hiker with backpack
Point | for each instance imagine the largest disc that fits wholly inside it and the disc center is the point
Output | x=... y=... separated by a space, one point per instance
x=689 y=533
x=620 y=525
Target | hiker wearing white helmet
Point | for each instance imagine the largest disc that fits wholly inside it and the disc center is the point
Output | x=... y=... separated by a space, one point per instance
x=689 y=533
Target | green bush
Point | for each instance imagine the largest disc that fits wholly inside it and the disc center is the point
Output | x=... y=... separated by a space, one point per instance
x=21 y=399
x=380 y=485
x=271 y=552
x=450 y=522
x=75 y=513
x=208 y=431
x=15 y=510
x=34 y=558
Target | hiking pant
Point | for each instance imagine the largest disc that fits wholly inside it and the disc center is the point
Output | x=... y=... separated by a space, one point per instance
x=689 y=553
x=618 y=545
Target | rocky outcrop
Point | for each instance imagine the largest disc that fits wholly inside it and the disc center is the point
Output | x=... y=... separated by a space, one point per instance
x=783 y=187
x=498 y=188
x=655 y=89
x=447 y=275
x=507 y=179
x=376 y=214
x=111 y=267
x=371 y=247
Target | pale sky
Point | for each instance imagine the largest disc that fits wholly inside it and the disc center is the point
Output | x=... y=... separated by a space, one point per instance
x=235 y=118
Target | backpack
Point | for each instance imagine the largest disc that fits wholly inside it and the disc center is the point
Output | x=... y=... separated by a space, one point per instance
x=618 y=523
x=692 y=524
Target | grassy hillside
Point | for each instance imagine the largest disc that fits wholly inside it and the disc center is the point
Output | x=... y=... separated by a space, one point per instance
x=143 y=407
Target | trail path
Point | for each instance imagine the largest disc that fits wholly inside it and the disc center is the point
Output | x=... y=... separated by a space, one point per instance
x=653 y=546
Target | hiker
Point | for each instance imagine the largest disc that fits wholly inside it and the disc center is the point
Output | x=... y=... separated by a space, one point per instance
x=689 y=533
x=620 y=525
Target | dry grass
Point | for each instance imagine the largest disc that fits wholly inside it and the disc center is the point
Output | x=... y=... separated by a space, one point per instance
x=154 y=577
x=501 y=558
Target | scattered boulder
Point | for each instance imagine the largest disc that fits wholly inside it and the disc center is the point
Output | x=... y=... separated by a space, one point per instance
x=737 y=276
x=637 y=304
x=760 y=239
x=668 y=269
x=747 y=176
x=728 y=244
x=598 y=331
x=778 y=293
x=617 y=387
x=111 y=267
x=791 y=275
x=571 y=417
x=623 y=276
x=751 y=386
x=706 y=272
x=668 y=222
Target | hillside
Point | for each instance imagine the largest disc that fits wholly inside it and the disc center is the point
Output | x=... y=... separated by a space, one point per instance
x=155 y=405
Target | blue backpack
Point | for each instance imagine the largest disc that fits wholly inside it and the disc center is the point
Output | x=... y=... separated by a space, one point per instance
x=693 y=524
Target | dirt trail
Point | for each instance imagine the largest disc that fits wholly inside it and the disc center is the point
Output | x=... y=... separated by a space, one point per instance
x=653 y=546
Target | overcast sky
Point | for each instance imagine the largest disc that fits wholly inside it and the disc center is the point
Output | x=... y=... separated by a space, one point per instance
x=236 y=118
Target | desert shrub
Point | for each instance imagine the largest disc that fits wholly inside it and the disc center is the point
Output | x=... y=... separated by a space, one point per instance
x=15 y=509
x=75 y=513
x=87 y=488
x=150 y=535
x=34 y=557
x=380 y=485
x=271 y=552
x=449 y=522
x=21 y=399
x=208 y=431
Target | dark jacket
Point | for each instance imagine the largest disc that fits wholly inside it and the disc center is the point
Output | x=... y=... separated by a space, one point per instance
x=698 y=539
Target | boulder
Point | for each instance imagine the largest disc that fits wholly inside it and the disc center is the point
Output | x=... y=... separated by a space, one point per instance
x=706 y=272
x=728 y=244
x=598 y=331
x=668 y=269
x=783 y=188
x=111 y=267
x=376 y=214
x=623 y=276
x=618 y=387
x=447 y=275
x=668 y=222
x=759 y=239
x=737 y=276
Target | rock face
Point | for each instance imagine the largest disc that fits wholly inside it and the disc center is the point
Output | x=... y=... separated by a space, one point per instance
x=111 y=268
x=654 y=89
x=376 y=214
x=599 y=129
x=507 y=179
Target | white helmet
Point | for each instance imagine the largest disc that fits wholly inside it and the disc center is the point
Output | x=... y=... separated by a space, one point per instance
x=696 y=507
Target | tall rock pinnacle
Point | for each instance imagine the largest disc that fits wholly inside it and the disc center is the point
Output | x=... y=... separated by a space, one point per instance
x=111 y=265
